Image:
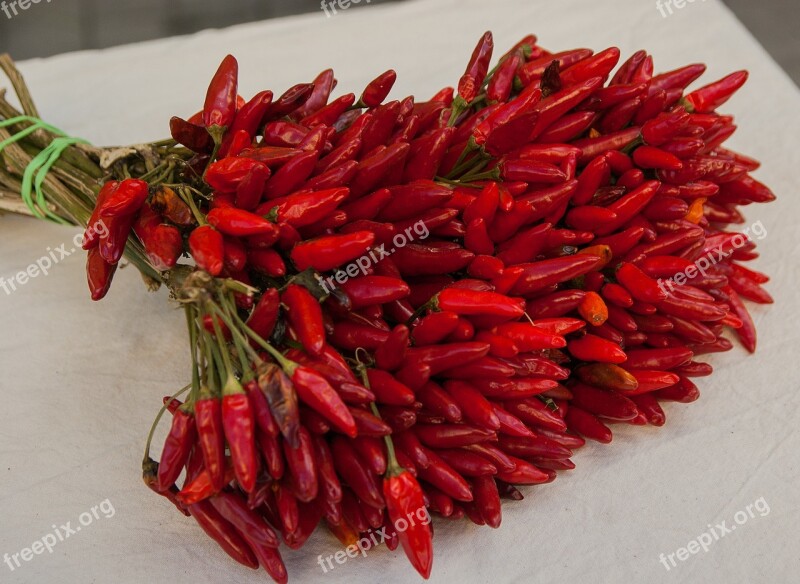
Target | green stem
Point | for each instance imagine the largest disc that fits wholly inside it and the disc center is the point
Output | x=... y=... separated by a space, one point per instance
x=393 y=467
x=191 y=323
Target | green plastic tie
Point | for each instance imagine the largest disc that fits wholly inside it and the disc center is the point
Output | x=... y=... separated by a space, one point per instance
x=36 y=172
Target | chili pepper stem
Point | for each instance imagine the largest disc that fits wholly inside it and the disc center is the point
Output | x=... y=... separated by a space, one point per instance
x=459 y=106
x=393 y=467
x=190 y=322
x=286 y=364
x=429 y=305
x=460 y=166
x=199 y=217
x=493 y=174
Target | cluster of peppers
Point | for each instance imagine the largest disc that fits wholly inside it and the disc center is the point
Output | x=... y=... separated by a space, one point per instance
x=561 y=201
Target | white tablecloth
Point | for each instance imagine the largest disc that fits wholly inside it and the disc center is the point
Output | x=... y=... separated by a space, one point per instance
x=82 y=381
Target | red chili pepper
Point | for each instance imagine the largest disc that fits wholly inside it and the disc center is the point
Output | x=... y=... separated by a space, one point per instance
x=323 y=84
x=355 y=474
x=259 y=536
x=538 y=66
x=471 y=302
x=475 y=408
x=317 y=393
x=327 y=115
x=390 y=354
x=99 y=274
x=600 y=402
x=248 y=119
x=442 y=357
x=441 y=475
x=162 y=243
x=177 y=447
x=302 y=467
x=368 y=424
x=219 y=110
x=150 y=478
x=535 y=413
x=291 y=175
x=328 y=479
x=450 y=436
x=388 y=390
x=113 y=241
x=291 y=99
x=250 y=190
x=476 y=70
x=336 y=176
x=303 y=209
x=305 y=316
x=265 y=314
x=421 y=260
x=372 y=171
x=405 y=501
x=502 y=81
x=649 y=157
x=434 y=328
x=224 y=533
x=267 y=261
x=260 y=406
x=377 y=89
x=708 y=98
x=427 y=153
x=240 y=223
x=91 y=236
x=652 y=380
x=211 y=437
x=326 y=253
x=593 y=348
x=202 y=487
x=239 y=427
x=194 y=136
x=593 y=147
x=225 y=175
x=208 y=249
x=124 y=200
x=538 y=446
x=607 y=376
x=639 y=284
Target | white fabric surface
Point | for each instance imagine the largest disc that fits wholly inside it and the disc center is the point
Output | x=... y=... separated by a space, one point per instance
x=82 y=381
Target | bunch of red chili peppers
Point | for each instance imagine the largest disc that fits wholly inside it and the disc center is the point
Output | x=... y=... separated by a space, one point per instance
x=568 y=203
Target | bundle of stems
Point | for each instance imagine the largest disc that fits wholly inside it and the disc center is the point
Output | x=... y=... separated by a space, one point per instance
x=71 y=186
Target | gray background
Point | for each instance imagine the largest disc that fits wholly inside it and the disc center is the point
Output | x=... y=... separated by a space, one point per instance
x=68 y=25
